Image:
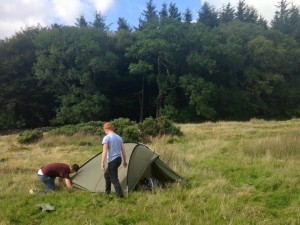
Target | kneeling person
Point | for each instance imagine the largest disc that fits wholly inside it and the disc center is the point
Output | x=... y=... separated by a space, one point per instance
x=49 y=172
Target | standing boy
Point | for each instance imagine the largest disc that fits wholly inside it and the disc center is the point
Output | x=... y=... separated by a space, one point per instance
x=113 y=150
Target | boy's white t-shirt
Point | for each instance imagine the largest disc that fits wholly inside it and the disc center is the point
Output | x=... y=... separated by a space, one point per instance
x=114 y=142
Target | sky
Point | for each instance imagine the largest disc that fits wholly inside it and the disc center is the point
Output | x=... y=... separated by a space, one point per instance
x=19 y=14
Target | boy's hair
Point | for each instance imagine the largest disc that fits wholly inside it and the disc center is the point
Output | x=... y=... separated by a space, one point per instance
x=75 y=167
x=108 y=126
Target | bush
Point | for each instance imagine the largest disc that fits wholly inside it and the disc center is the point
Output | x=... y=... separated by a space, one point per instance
x=166 y=126
x=131 y=134
x=90 y=127
x=158 y=127
x=67 y=130
x=127 y=129
x=149 y=127
x=28 y=137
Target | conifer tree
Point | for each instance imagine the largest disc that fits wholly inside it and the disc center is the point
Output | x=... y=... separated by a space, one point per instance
x=187 y=16
x=99 y=21
x=149 y=14
x=226 y=14
x=208 y=15
x=174 y=12
x=164 y=11
x=81 y=21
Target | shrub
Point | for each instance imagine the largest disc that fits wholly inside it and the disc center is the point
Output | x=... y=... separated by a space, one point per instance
x=121 y=123
x=131 y=134
x=93 y=128
x=149 y=127
x=90 y=127
x=67 y=130
x=166 y=126
x=170 y=112
x=127 y=129
x=28 y=137
x=158 y=127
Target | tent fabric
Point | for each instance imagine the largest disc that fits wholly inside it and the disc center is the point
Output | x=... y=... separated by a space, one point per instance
x=142 y=161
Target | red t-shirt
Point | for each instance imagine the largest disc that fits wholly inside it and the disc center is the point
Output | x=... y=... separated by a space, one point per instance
x=56 y=170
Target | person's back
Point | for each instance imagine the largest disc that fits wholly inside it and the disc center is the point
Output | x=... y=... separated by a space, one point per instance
x=56 y=170
x=114 y=142
x=113 y=149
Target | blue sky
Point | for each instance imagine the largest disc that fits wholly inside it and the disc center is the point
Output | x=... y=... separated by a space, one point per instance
x=131 y=10
x=17 y=14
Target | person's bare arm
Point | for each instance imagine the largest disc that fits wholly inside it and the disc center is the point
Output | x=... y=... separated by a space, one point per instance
x=104 y=152
x=68 y=183
x=124 y=156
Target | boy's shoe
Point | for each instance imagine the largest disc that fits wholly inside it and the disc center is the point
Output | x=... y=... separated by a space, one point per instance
x=32 y=191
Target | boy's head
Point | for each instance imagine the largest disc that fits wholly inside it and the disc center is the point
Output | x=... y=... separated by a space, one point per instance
x=108 y=126
x=74 y=168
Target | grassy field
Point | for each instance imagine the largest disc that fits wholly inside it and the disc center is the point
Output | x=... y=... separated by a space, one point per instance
x=236 y=172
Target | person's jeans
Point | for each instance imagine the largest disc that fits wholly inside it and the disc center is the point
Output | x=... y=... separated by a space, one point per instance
x=111 y=177
x=49 y=182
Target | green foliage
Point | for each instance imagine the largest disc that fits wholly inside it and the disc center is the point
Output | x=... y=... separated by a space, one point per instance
x=9 y=120
x=99 y=21
x=91 y=128
x=149 y=127
x=127 y=129
x=170 y=112
x=30 y=136
x=200 y=95
x=79 y=107
x=166 y=126
x=230 y=66
x=139 y=68
x=73 y=71
x=132 y=134
x=67 y=130
x=23 y=101
x=286 y=18
x=158 y=127
x=208 y=15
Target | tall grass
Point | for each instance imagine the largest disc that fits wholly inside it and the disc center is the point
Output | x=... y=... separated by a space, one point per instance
x=236 y=173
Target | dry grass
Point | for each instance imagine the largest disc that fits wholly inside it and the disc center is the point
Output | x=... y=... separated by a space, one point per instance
x=280 y=147
x=236 y=172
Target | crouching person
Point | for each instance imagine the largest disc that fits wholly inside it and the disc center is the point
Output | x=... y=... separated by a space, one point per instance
x=49 y=172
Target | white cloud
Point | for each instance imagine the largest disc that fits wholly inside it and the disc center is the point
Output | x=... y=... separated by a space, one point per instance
x=103 y=5
x=66 y=11
x=18 y=14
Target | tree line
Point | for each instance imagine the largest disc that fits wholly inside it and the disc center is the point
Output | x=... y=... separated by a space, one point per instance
x=226 y=64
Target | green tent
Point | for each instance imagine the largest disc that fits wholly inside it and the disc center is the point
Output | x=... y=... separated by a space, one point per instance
x=142 y=162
